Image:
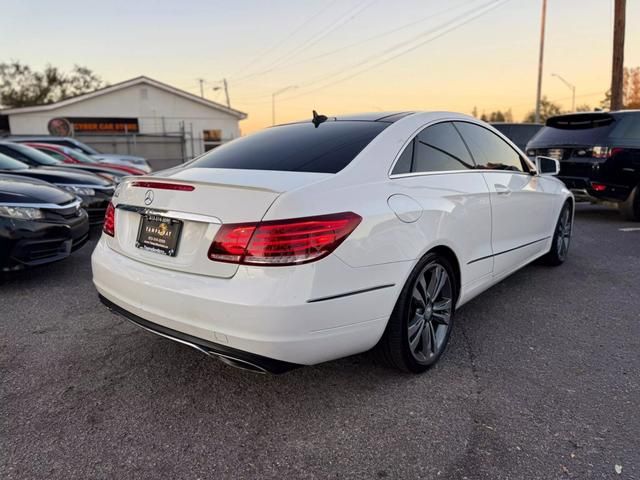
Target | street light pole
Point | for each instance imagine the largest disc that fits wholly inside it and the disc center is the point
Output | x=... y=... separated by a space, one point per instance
x=273 y=101
x=539 y=93
x=573 y=90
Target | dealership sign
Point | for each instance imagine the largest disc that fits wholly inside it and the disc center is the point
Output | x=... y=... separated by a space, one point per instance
x=64 y=127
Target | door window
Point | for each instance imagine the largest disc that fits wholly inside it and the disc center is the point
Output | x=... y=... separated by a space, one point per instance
x=489 y=151
x=438 y=148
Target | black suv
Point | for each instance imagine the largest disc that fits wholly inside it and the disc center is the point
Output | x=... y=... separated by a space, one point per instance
x=599 y=154
x=518 y=133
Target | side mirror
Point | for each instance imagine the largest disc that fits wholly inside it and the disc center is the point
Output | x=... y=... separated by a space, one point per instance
x=547 y=166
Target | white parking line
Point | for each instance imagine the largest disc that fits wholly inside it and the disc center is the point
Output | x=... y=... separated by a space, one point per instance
x=630 y=229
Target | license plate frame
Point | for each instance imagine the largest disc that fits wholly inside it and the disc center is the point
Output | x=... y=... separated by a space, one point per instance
x=159 y=234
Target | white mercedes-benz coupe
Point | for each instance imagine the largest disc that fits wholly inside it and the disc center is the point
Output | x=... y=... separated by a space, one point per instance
x=315 y=240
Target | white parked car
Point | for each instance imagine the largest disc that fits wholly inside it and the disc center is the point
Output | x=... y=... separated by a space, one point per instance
x=312 y=241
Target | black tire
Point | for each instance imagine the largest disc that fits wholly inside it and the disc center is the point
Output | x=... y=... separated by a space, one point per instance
x=631 y=207
x=415 y=308
x=561 y=238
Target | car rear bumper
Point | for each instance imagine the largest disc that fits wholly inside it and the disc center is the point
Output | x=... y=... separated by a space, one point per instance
x=582 y=188
x=278 y=313
x=236 y=358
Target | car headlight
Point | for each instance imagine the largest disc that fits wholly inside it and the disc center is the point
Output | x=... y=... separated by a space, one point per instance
x=78 y=190
x=22 y=213
x=112 y=178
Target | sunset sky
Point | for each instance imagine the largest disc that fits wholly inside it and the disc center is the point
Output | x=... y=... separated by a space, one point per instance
x=343 y=55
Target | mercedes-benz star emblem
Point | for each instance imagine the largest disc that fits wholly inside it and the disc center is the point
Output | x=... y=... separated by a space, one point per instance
x=148 y=197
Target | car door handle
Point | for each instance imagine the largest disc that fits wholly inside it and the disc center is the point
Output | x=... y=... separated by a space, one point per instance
x=501 y=189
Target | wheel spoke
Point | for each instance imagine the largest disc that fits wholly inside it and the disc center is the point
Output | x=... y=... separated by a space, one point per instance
x=441 y=278
x=428 y=340
x=441 y=317
x=415 y=325
x=419 y=298
x=413 y=342
x=434 y=281
x=432 y=332
x=442 y=305
x=421 y=287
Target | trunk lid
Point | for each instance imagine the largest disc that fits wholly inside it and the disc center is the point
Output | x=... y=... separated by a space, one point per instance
x=215 y=196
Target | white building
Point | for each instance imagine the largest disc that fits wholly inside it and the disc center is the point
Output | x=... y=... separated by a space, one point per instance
x=140 y=116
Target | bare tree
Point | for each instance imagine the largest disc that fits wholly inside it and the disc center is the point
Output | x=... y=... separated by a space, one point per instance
x=21 y=86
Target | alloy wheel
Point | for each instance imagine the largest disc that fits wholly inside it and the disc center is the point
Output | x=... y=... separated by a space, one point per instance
x=430 y=313
x=563 y=234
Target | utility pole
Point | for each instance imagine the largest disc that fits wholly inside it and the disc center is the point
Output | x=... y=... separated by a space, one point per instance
x=540 y=60
x=617 y=70
x=226 y=92
x=201 y=80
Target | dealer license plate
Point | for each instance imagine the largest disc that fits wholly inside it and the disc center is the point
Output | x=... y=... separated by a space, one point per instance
x=159 y=234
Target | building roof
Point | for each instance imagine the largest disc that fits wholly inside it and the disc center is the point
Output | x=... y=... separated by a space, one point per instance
x=120 y=86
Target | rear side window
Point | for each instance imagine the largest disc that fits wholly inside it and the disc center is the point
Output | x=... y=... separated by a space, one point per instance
x=9 y=152
x=437 y=148
x=53 y=153
x=299 y=147
x=490 y=152
x=627 y=127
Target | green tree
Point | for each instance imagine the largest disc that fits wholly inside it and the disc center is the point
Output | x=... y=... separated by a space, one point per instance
x=548 y=109
x=21 y=86
x=584 y=108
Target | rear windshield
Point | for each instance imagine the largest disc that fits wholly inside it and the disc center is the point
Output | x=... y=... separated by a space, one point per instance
x=298 y=147
x=585 y=129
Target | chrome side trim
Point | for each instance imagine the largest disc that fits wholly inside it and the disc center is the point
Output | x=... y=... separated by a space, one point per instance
x=191 y=217
x=509 y=250
x=448 y=172
x=46 y=206
x=460 y=120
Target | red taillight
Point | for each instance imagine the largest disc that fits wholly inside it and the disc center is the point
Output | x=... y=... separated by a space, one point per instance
x=598 y=187
x=164 y=186
x=231 y=242
x=282 y=242
x=109 y=225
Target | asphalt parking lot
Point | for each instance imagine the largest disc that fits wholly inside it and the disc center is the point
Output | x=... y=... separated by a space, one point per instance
x=541 y=381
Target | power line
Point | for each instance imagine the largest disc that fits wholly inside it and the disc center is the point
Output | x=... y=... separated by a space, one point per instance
x=284 y=39
x=368 y=39
x=315 y=38
x=491 y=6
x=454 y=21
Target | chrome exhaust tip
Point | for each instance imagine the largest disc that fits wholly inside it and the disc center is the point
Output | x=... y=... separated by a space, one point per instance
x=237 y=363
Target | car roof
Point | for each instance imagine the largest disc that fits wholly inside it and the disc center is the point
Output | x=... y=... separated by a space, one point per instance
x=386 y=117
x=383 y=117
